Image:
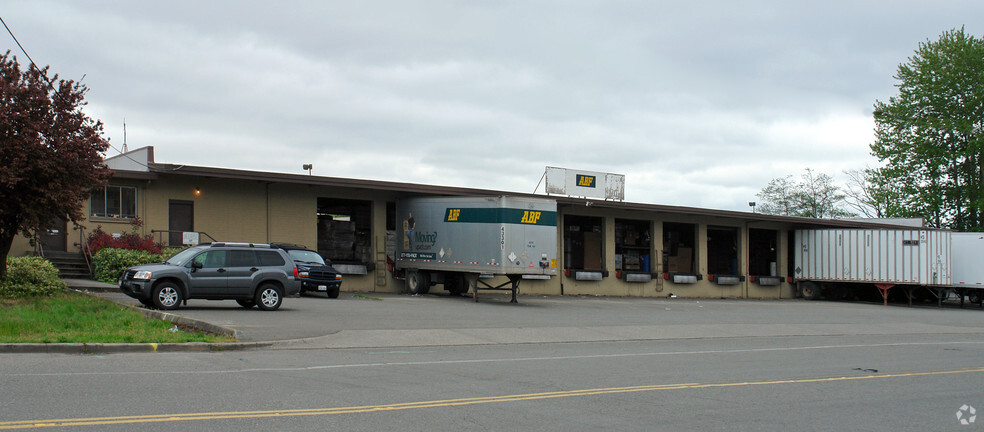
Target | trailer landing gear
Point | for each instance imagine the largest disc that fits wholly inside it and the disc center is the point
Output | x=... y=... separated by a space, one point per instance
x=883 y=290
x=475 y=284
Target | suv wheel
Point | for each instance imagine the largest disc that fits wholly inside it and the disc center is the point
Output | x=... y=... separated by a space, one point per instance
x=332 y=293
x=166 y=295
x=268 y=297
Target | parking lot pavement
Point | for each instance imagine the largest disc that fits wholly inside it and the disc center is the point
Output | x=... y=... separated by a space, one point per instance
x=393 y=320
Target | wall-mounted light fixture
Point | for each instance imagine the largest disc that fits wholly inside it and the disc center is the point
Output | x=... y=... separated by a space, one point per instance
x=198 y=192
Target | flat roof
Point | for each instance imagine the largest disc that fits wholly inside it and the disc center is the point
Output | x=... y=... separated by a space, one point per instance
x=155 y=170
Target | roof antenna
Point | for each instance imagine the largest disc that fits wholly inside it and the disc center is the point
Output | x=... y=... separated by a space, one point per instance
x=124 y=135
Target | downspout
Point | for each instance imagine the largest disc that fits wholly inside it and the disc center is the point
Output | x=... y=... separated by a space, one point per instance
x=743 y=254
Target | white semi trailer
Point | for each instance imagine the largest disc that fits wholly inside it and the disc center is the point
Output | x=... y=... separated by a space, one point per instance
x=839 y=260
x=462 y=242
x=967 y=261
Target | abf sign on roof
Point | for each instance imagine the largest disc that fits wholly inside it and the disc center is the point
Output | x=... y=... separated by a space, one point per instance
x=588 y=184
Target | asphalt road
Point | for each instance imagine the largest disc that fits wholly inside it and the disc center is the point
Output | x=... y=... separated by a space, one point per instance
x=440 y=363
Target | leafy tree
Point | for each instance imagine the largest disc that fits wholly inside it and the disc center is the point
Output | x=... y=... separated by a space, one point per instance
x=779 y=197
x=819 y=197
x=814 y=196
x=929 y=136
x=866 y=193
x=50 y=152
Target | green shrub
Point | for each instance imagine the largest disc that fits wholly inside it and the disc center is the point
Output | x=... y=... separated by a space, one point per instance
x=167 y=253
x=30 y=277
x=109 y=263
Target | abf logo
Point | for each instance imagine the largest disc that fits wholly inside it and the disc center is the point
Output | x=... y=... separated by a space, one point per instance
x=453 y=214
x=585 y=181
x=966 y=414
x=531 y=217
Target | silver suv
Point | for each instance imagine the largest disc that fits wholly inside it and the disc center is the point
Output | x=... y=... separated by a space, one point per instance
x=252 y=274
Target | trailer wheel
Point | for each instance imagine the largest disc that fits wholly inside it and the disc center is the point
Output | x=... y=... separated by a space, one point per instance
x=418 y=282
x=974 y=297
x=809 y=290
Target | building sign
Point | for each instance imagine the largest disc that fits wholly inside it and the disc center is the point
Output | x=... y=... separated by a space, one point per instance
x=586 y=181
x=189 y=238
x=588 y=184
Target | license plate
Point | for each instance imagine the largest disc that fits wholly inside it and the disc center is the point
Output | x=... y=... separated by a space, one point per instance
x=322 y=288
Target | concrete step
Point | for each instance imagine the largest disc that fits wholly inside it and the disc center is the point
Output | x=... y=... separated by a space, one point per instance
x=69 y=265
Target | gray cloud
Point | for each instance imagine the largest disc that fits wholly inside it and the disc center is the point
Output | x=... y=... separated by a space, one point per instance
x=697 y=103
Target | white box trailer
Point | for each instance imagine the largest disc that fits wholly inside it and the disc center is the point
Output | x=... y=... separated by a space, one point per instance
x=967 y=265
x=967 y=260
x=881 y=257
x=459 y=241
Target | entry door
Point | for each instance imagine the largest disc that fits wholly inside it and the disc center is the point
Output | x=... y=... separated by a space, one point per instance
x=181 y=218
x=56 y=238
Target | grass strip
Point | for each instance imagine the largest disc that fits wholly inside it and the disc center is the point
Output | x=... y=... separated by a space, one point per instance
x=72 y=317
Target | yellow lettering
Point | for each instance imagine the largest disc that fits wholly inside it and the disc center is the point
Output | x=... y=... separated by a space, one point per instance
x=453 y=215
x=586 y=181
x=531 y=217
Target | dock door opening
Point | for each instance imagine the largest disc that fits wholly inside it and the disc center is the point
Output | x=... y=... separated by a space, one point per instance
x=583 y=243
x=722 y=250
x=344 y=232
x=679 y=240
x=632 y=246
x=763 y=253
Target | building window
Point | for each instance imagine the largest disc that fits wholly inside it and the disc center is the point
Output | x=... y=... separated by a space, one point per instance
x=114 y=202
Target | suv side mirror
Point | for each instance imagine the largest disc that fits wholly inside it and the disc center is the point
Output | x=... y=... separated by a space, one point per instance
x=195 y=265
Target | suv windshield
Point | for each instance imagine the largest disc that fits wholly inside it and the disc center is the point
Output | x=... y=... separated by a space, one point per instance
x=180 y=258
x=306 y=256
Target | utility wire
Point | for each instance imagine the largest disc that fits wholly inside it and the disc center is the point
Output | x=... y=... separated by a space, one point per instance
x=52 y=85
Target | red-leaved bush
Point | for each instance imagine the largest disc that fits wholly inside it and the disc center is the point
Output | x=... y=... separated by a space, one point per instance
x=99 y=239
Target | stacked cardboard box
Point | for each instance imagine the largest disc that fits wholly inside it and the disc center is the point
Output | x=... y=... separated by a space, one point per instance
x=336 y=240
x=682 y=262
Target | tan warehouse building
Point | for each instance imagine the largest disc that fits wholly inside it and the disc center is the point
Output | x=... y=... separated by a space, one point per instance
x=609 y=248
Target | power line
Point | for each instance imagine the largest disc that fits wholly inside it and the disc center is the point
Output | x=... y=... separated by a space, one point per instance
x=52 y=85
x=22 y=49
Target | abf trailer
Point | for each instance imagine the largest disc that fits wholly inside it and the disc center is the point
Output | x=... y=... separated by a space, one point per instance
x=459 y=241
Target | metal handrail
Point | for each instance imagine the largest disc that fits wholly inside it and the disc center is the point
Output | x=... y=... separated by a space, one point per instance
x=38 y=247
x=161 y=239
x=84 y=245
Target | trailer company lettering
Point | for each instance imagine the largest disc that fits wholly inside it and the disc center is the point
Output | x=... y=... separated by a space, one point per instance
x=424 y=240
x=586 y=180
x=453 y=214
x=530 y=217
x=418 y=256
x=500 y=215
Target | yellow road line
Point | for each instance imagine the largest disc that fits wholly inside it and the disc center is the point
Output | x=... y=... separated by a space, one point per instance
x=94 y=421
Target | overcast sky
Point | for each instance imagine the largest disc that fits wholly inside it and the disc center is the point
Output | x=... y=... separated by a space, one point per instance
x=696 y=103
